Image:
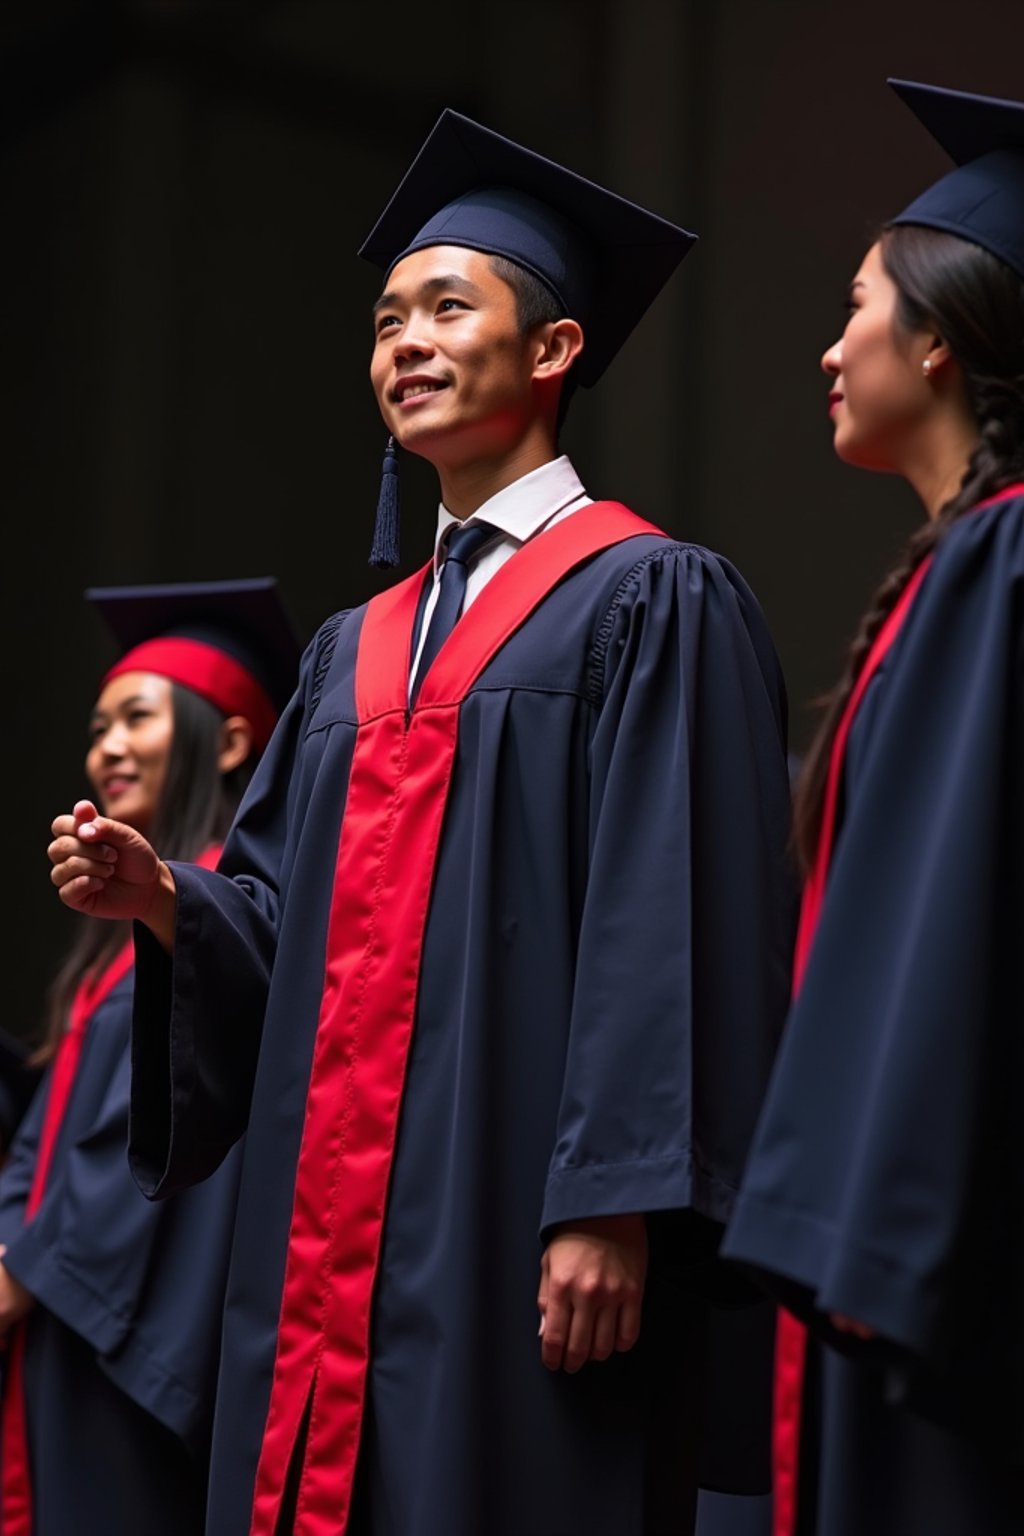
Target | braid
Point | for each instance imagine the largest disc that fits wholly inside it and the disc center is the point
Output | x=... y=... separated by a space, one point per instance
x=977 y=305
x=998 y=460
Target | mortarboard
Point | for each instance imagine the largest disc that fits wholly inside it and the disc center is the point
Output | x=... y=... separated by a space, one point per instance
x=233 y=642
x=604 y=258
x=982 y=199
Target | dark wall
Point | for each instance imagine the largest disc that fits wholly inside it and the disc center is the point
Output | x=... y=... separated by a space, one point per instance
x=184 y=323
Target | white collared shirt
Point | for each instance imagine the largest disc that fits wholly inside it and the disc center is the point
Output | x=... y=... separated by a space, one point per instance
x=523 y=509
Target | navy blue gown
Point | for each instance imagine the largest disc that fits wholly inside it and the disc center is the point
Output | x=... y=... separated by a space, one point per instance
x=887 y=1176
x=122 y=1346
x=604 y=975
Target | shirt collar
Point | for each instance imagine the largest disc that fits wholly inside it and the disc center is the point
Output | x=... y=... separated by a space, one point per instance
x=522 y=508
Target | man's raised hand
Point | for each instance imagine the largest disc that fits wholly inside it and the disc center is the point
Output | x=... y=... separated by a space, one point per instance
x=104 y=867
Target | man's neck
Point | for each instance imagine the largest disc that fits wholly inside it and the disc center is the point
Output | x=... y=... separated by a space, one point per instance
x=465 y=487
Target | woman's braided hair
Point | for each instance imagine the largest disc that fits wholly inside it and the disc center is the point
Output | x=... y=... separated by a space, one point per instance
x=976 y=304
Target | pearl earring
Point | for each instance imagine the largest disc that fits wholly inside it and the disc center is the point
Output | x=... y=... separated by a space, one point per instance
x=926 y=366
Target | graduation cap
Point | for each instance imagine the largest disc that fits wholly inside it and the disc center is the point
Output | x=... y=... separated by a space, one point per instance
x=982 y=199
x=233 y=642
x=603 y=258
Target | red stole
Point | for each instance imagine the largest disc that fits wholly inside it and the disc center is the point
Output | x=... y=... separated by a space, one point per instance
x=15 y=1469
x=390 y=834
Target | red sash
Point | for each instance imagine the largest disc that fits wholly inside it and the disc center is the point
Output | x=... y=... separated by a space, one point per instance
x=791 y=1336
x=390 y=834
x=15 y=1470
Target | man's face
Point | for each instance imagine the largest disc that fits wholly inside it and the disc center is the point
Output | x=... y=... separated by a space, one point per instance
x=450 y=367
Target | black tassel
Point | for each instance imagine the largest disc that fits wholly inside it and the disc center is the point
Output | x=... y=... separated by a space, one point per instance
x=385 y=528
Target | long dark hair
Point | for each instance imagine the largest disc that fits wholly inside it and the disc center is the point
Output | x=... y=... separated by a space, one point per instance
x=976 y=304
x=196 y=807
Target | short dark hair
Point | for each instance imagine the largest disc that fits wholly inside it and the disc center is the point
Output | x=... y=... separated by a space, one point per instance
x=535 y=305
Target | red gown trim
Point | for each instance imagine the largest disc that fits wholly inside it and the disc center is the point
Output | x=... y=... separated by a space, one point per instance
x=15 y=1468
x=390 y=833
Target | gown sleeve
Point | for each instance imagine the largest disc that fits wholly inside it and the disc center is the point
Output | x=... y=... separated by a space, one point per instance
x=886 y=1180
x=198 y=1012
x=684 y=956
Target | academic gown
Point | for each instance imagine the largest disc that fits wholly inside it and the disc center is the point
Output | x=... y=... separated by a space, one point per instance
x=887 y=1177
x=120 y=1350
x=603 y=973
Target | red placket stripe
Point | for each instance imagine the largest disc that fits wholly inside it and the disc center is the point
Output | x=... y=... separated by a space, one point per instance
x=390 y=834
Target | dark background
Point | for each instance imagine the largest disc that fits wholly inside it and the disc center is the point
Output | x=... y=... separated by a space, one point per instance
x=184 y=332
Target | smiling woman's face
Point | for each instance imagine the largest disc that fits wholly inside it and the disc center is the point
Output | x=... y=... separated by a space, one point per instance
x=130 y=733
x=880 y=393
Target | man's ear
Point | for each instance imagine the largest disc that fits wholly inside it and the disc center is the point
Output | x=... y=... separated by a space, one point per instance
x=559 y=343
x=236 y=739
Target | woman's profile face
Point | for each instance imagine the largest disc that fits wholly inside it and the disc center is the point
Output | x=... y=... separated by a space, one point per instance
x=130 y=733
x=880 y=394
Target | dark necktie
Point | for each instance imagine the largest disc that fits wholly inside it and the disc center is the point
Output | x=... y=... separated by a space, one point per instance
x=463 y=546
